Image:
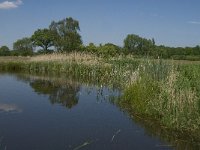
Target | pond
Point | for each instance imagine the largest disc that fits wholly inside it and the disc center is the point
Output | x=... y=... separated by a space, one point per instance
x=41 y=113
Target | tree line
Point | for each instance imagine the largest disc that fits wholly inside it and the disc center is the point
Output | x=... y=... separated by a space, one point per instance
x=64 y=36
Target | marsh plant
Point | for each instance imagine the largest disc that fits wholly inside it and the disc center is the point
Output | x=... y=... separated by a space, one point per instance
x=164 y=92
x=75 y=65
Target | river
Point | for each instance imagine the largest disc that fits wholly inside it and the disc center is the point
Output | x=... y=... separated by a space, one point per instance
x=40 y=113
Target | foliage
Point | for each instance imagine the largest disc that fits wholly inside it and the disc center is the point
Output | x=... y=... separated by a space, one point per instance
x=68 y=38
x=43 y=38
x=4 y=51
x=157 y=89
x=167 y=93
x=91 y=48
x=23 y=47
x=179 y=53
x=136 y=45
x=107 y=50
x=64 y=36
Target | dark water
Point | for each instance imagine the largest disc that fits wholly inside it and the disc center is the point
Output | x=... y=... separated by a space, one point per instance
x=43 y=114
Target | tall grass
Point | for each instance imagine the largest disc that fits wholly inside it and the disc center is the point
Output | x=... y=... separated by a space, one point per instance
x=166 y=92
x=74 y=65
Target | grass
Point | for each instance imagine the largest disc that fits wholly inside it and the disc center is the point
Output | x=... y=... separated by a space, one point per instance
x=168 y=93
x=74 y=65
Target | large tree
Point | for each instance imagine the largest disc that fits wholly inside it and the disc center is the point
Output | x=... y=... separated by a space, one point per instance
x=23 y=46
x=43 y=38
x=67 y=31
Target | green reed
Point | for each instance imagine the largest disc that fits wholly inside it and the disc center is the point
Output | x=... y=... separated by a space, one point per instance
x=166 y=92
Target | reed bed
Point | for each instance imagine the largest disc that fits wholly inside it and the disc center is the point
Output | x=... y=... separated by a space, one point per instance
x=77 y=66
x=78 y=57
x=166 y=92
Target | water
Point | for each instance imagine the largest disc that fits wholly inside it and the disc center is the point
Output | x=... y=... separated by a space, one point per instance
x=38 y=113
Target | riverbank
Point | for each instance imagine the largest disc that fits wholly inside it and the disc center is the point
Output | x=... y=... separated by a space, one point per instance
x=165 y=91
x=112 y=72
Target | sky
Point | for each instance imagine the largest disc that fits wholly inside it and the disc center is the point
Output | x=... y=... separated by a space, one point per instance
x=170 y=22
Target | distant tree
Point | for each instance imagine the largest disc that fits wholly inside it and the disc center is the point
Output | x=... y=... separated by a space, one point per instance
x=43 y=38
x=109 y=49
x=132 y=43
x=153 y=41
x=4 y=51
x=138 y=45
x=196 y=50
x=91 y=48
x=68 y=38
x=23 y=47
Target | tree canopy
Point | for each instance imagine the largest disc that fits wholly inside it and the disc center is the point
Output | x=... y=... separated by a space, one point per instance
x=23 y=47
x=138 y=45
x=43 y=38
x=64 y=36
x=4 y=51
x=67 y=31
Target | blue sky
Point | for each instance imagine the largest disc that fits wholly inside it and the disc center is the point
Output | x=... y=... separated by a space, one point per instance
x=170 y=22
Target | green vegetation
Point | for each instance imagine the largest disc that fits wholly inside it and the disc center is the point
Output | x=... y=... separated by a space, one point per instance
x=76 y=65
x=23 y=47
x=66 y=33
x=167 y=92
x=4 y=51
x=162 y=90
x=139 y=46
x=43 y=38
x=64 y=36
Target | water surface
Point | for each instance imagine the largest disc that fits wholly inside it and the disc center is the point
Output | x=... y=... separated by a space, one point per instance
x=55 y=114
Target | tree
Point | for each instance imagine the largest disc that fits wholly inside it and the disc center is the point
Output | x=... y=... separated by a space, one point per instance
x=91 y=48
x=196 y=50
x=138 y=45
x=23 y=47
x=4 y=51
x=68 y=38
x=109 y=49
x=43 y=38
x=132 y=43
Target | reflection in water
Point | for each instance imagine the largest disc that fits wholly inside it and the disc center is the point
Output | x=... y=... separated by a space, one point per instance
x=2 y=145
x=9 y=108
x=64 y=93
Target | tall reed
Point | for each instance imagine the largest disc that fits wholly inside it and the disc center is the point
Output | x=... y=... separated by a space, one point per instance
x=163 y=92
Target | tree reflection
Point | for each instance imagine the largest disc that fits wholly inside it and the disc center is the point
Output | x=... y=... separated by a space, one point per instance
x=64 y=93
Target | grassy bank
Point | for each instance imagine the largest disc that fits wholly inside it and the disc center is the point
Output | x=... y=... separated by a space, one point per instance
x=168 y=93
x=79 y=66
x=165 y=91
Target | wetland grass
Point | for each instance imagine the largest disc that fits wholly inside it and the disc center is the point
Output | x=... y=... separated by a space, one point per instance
x=168 y=93
x=74 y=65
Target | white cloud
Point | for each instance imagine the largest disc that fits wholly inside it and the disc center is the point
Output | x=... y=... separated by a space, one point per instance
x=10 y=4
x=194 y=22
